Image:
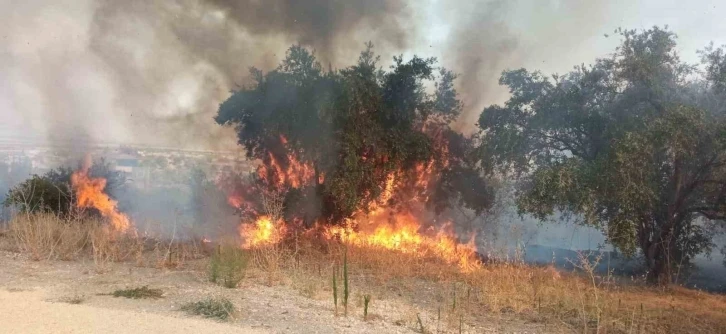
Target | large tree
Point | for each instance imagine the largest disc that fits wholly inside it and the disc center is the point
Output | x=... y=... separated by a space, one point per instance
x=354 y=127
x=634 y=144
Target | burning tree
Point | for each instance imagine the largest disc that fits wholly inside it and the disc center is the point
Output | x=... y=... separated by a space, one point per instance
x=634 y=145
x=339 y=143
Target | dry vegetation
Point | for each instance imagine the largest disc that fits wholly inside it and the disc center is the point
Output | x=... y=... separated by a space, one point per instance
x=441 y=297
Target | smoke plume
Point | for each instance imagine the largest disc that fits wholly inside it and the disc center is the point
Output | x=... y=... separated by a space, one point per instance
x=154 y=71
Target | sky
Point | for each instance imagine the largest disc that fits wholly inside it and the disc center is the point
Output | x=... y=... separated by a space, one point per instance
x=153 y=72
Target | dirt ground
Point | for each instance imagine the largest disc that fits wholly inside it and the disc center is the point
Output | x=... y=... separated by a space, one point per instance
x=34 y=299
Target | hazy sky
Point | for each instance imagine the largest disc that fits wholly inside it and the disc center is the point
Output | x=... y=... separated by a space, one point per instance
x=154 y=72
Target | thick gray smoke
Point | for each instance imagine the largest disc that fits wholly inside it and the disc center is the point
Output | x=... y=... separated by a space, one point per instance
x=153 y=72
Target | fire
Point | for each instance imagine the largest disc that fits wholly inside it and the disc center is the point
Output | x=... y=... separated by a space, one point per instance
x=235 y=201
x=293 y=173
x=393 y=221
x=89 y=193
x=405 y=234
x=262 y=232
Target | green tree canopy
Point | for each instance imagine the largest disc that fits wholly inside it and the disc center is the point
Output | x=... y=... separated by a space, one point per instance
x=354 y=126
x=634 y=144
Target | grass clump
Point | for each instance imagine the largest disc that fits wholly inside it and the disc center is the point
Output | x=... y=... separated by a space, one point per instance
x=366 y=302
x=75 y=300
x=139 y=293
x=220 y=308
x=227 y=266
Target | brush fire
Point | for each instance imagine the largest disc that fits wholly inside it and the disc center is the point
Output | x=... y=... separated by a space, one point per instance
x=382 y=169
x=398 y=226
x=90 y=194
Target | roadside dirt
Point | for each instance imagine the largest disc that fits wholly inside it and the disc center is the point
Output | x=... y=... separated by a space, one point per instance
x=34 y=299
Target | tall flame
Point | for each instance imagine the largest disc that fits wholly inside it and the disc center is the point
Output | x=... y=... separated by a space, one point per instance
x=403 y=232
x=380 y=224
x=90 y=194
x=262 y=232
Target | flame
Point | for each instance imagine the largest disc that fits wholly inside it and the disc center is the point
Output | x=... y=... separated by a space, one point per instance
x=89 y=193
x=380 y=225
x=293 y=174
x=262 y=232
x=235 y=200
x=405 y=234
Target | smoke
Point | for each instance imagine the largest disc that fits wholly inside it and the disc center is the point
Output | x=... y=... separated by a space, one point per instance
x=486 y=37
x=154 y=72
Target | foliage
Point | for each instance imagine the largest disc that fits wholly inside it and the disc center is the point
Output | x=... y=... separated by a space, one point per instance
x=633 y=144
x=139 y=293
x=220 y=308
x=354 y=126
x=227 y=266
x=52 y=191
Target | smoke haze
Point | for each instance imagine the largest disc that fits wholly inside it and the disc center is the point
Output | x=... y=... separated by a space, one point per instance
x=154 y=72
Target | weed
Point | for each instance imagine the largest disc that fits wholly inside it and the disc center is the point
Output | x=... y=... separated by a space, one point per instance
x=227 y=266
x=335 y=289
x=75 y=300
x=139 y=293
x=345 y=281
x=220 y=308
x=366 y=302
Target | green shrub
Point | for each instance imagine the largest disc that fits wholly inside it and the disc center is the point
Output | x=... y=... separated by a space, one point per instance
x=227 y=266
x=139 y=293
x=221 y=308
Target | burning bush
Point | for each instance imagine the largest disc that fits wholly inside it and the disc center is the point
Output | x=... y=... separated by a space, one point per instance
x=344 y=144
x=53 y=191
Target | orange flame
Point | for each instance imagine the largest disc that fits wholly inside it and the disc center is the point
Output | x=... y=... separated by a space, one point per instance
x=404 y=234
x=262 y=232
x=379 y=225
x=235 y=201
x=89 y=193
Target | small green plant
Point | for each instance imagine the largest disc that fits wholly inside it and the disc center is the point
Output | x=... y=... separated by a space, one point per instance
x=139 y=293
x=220 y=308
x=366 y=302
x=345 y=282
x=335 y=289
x=227 y=266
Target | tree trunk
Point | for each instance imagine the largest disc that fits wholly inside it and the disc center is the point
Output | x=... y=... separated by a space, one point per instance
x=659 y=270
x=657 y=252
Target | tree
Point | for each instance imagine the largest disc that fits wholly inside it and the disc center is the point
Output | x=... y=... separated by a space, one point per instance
x=634 y=144
x=332 y=138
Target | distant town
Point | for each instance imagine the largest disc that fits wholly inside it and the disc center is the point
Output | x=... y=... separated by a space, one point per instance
x=144 y=166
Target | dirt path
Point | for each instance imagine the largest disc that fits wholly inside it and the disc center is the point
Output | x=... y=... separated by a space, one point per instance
x=30 y=312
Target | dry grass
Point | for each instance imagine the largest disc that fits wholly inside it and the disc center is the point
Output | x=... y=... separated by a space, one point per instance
x=440 y=295
x=580 y=301
x=47 y=237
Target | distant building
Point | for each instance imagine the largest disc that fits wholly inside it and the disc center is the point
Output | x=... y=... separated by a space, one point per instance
x=126 y=163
